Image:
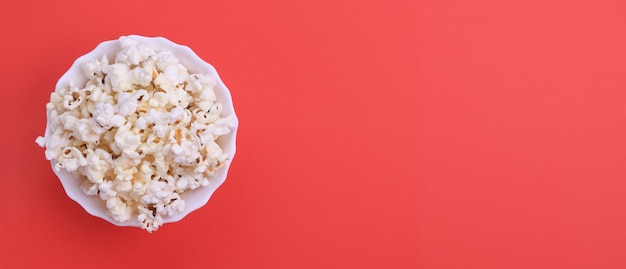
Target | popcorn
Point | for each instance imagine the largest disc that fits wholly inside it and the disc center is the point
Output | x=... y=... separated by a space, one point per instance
x=106 y=117
x=105 y=189
x=93 y=69
x=73 y=98
x=120 y=211
x=141 y=131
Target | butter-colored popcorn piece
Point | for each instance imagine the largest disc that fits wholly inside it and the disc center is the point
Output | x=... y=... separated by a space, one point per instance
x=93 y=69
x=105 y=116
x=119 y=210
x=89 y=188
x=127 y=103
x=133 y=52
x=149 y=218
x=72 y=99
x=85 y=130
x=41 y=141
x=117 y=77
x=164 y=59
x=106 y=190
x=124 y=186
x=96 y=168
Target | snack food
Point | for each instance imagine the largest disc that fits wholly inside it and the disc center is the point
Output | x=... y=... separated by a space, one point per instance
x=140 y=132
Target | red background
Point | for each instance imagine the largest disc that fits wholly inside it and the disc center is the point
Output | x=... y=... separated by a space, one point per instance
x=373 y=134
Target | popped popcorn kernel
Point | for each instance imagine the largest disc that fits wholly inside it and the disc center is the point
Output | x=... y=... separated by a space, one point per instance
x=140 y=132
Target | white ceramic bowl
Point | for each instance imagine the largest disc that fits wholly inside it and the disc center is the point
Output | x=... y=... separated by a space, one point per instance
x=194 y=199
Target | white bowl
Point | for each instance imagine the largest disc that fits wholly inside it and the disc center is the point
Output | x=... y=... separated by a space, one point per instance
x=194 y=199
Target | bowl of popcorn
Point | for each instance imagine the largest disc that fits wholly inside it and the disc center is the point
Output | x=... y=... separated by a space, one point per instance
x=140 y=131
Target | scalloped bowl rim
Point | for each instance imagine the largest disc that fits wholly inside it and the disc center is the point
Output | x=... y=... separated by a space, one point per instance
x=194 y=199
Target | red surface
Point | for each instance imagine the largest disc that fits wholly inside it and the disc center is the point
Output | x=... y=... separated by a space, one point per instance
x=374 y=134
